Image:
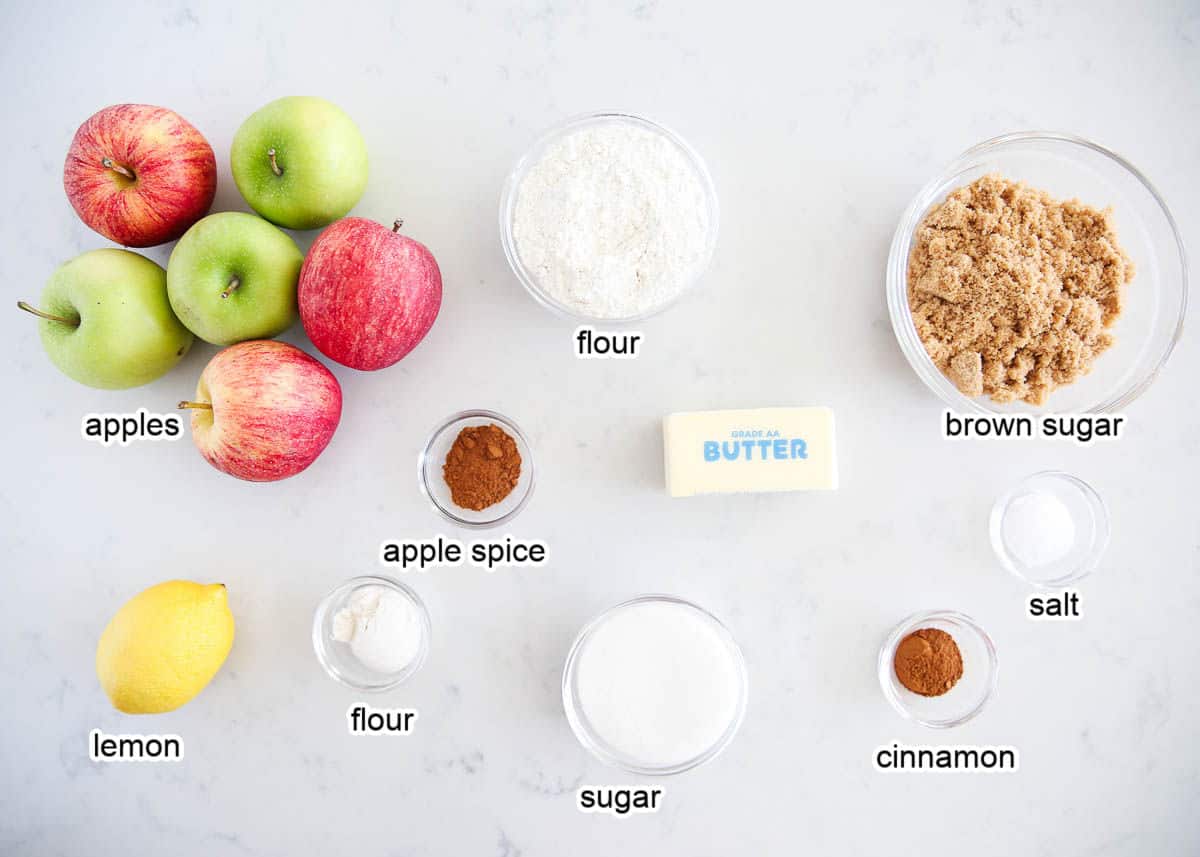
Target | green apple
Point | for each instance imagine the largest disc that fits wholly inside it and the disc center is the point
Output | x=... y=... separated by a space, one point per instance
x=106 y=320
x=300 y=162
x=232 y=277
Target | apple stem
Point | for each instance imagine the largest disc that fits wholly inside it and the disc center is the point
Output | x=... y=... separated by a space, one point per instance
x=195 y=406
x=110 y=164
x=46 y=315
x=399 y=223
x=275 y=168
x=234 y=282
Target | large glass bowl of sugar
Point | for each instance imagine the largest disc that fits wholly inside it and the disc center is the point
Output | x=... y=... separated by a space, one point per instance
x=655 y=685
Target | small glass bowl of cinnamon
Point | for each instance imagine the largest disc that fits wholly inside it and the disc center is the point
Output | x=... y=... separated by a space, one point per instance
x=443 y=471
x=948 y=700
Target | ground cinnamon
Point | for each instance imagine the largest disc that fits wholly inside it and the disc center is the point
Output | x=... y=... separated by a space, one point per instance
x=482 y=467
x=928 y=662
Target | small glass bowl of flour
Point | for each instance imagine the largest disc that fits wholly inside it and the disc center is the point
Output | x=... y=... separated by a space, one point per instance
x=371 y=633
x=655 y=685
x=609 y=217
x=1050 y=530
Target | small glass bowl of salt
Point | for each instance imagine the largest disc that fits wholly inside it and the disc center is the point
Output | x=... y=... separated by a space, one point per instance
x=1050 y=530
x=371 y=633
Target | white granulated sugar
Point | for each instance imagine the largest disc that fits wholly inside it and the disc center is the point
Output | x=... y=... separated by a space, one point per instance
x=658 y=683
x=612 y=222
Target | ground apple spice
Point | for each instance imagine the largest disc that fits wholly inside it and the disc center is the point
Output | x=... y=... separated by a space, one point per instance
x=482 y=467
x=1012 y=292
x=928 y=662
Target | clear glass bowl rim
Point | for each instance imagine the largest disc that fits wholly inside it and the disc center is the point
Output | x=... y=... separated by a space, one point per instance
x=605 y=754
x=1087 y=566
x=887 y=653
x=897 y=274
x=508 y=199
x=510 y=427
x=340 y=592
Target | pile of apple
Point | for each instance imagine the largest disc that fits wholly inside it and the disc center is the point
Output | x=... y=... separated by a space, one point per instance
x=366 y=295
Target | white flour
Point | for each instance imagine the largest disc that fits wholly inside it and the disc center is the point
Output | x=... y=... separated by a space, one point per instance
x=612 y=222
x=382 y=627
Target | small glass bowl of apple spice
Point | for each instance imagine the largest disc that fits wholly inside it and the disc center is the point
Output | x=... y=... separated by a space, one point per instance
x=477 y=469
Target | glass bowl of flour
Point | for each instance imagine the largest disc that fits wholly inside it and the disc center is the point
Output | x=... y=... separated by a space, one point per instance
x=609 y=217
x=371 y=633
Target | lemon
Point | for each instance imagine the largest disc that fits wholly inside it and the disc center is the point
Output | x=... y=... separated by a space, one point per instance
x=164 y=645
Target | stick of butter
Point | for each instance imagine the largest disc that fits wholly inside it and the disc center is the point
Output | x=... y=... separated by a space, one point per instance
x=764 y=449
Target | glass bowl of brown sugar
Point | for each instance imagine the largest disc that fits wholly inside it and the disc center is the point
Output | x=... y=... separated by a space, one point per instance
x=938 y=668
x=476 y=469
x=992 y=324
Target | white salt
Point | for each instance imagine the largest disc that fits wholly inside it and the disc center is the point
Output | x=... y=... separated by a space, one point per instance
x=1038 y=529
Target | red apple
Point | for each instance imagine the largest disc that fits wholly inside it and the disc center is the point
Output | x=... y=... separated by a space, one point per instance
x=139 y=175
x=368 y=294
x=264 y=410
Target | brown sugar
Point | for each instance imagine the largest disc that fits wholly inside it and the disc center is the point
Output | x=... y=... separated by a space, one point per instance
x=928 y=662
x=482 y=467
x=1011 y=291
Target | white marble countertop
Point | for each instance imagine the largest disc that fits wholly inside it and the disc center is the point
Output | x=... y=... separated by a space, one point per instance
x=818 y=126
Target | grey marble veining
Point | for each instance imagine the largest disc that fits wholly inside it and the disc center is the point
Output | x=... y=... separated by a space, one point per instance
x=818 y=122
